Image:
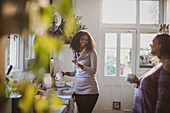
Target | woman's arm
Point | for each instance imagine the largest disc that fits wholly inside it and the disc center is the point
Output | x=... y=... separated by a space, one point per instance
x=72 y=73
x=93 y=63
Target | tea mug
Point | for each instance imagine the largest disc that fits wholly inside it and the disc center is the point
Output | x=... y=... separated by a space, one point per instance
x=59 y=76
x=130 y=78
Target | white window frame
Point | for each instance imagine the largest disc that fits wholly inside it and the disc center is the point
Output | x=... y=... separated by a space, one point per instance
x=118 y=47
x=30 y=49
x=139 y=29
x=19 y=41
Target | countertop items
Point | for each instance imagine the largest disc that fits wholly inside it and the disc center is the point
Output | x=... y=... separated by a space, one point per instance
x=65 y=94
x=60 y=83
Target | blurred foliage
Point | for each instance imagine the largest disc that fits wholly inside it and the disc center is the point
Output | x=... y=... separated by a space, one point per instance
x=55 y=101
x=44 y=45
x=44 y=104
x=46 y=15
x=6 y=89
x=3 y=94
x=64 y=7
x=70 y=23
x=27 y=98
x=74 y=26
x=38 y=17
x=69 y=26
x=10 y=85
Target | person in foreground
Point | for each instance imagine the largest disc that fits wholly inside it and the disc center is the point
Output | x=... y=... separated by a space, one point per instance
x=85 y=66
x=153 y=95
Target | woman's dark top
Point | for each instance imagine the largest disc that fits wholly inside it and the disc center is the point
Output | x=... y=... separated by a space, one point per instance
x=153 y=95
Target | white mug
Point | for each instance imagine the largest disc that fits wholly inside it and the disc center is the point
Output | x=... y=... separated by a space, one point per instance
x=59 y=76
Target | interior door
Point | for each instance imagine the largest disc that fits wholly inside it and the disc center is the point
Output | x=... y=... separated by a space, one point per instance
x=118 y=54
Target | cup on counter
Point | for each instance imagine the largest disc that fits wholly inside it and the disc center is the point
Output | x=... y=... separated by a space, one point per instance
x=60 y=83
x=130 y=77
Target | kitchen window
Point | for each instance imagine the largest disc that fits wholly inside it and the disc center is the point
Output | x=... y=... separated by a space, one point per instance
x=14 y=52
x=146 y=59
x=19 y=50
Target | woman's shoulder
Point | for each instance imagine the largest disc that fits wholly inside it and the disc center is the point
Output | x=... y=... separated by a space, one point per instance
x=166 y=66
x=93 y=51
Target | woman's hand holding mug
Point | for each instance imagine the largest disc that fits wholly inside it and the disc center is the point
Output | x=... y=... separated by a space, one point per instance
x=132 y=78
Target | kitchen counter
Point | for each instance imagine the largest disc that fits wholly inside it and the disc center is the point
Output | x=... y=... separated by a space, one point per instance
x=65 y=94
x=66 y=98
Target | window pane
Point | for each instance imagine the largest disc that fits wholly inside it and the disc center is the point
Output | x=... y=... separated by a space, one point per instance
x=149 y=12
x=146 y=59
x=125 y=53
x=30 y=46
x=27 y=45
x=110 y=54
x=14 y=50
x=119 y=11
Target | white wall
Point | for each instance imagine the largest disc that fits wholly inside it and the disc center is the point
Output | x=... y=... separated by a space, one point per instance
x=90 y=10
x=168 y=12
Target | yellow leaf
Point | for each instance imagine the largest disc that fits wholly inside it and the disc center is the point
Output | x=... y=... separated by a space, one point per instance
x=55 y=102
x=70 y=26
x=64 y=7
x=27 y=99
x=46 y=15
x=41 y=105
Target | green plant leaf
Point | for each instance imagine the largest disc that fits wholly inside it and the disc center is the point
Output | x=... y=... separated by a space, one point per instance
x=11 y=77
x=64 y=7
x=14 y=83
x=27 y=99
x=41 y=105
x=70 y=26
x=55 y=102
x=46 y=15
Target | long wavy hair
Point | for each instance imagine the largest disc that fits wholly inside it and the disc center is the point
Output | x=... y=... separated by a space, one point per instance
x=164 y=41
x=74 y=44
